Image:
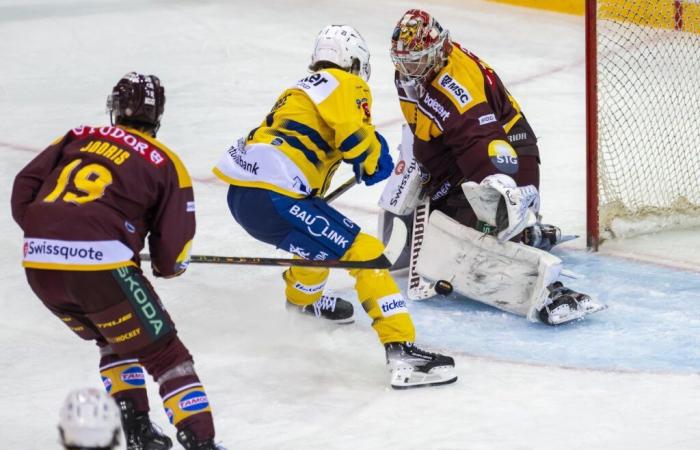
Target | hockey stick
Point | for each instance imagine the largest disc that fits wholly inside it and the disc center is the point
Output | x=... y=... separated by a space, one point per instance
x=340 y=190
x=391 y=253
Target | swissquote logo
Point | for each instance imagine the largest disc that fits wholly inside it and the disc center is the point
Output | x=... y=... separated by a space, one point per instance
x=53 y=251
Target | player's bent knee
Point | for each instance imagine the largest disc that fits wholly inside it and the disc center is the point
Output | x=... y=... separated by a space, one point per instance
x=364 y=248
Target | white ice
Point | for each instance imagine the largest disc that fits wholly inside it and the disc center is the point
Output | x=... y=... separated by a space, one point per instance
x=627 y=378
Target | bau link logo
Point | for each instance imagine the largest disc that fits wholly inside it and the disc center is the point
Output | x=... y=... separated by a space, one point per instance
x=392 y=304
x=146 y=306
x=65 y=251
x=133 y=376
x=242 y=163
x=194 y=401
x=458 y=91
x=319 y=226
x=435 y=105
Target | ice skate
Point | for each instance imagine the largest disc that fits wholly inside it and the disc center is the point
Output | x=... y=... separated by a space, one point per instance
x=545 y=236
x=412 y=367
x=566 y=305
x=328 y=307
x=189 y=441
x=140 y=433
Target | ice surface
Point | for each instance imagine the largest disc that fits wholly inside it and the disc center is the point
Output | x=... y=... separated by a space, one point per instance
x=626 y=378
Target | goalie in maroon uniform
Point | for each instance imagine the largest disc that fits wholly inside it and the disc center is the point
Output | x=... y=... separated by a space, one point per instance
x=86 y=205
x=469 y=151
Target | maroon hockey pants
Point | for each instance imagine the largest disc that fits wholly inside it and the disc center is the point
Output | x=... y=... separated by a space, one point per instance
x=121 y=312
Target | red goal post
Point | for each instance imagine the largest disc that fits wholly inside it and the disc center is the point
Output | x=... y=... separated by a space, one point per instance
x=643 y=116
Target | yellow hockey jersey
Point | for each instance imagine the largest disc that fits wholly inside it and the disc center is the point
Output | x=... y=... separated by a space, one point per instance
x=313 y=126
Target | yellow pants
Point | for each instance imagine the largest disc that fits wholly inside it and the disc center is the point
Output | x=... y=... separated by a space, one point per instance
x=376 y=289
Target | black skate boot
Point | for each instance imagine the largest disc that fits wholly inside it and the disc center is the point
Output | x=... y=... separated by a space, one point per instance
x=189 y=441
x=566 y=305
x=542 y=236
x=412 y=367
x=140 y=433
x=328 y=307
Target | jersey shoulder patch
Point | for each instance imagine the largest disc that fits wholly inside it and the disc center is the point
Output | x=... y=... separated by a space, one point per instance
x=453 y=89
x=318 y=86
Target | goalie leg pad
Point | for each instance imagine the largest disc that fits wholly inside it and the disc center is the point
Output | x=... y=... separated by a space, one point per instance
x=509 y=276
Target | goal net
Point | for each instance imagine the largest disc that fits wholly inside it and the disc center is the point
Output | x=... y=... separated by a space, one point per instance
x=643 y=70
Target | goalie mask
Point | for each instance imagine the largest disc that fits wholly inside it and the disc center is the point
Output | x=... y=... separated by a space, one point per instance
x=343 y=46
x=137 y=100
x=89 y=419
x=419 y=46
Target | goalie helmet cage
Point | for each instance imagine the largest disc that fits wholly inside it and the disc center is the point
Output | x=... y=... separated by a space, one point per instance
x=643 y=116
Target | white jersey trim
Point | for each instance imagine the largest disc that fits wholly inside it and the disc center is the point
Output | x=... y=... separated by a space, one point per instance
x=39 y=251
x=262 y=163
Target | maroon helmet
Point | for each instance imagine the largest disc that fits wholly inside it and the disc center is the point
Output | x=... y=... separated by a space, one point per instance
x=138 y=101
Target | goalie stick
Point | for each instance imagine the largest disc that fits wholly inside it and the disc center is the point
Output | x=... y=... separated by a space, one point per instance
x=391 y=253
x=418 y=287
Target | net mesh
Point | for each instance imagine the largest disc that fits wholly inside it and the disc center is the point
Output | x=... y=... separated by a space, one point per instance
x=648 y=108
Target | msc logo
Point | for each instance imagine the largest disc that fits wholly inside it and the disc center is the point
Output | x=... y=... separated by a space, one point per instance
x=133 y=376
x=459 y=92
x=194 y=401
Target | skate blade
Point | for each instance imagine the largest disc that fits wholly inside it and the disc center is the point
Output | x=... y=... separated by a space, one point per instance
x=410 y=379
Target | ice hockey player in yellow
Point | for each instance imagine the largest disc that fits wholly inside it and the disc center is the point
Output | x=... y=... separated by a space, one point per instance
x=278 y=174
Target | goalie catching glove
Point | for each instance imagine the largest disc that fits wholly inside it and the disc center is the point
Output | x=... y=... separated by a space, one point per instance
x=498 y=202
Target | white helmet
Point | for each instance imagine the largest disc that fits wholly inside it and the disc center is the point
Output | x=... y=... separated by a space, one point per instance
x=344 y=46
x=89 y=418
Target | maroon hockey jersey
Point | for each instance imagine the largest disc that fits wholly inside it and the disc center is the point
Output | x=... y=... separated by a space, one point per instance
x=90 y=199
x=466 y=124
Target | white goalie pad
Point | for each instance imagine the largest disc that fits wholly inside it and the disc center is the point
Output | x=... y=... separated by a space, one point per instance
x=402 y=190
x=509 y=276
